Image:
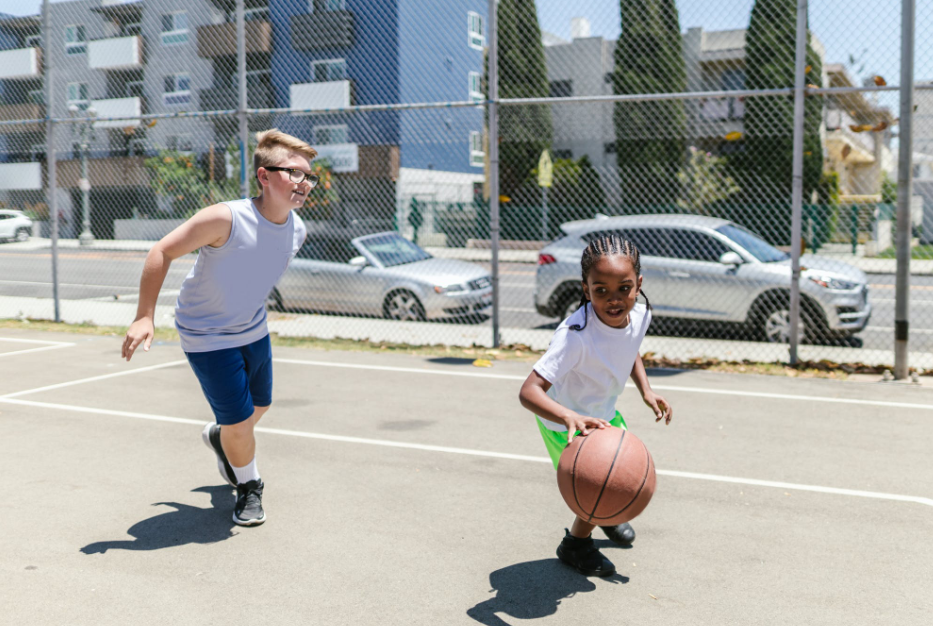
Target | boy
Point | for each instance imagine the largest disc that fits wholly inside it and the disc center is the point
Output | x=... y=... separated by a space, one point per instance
x=245 y=246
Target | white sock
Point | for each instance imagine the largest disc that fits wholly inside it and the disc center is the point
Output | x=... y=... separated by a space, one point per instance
x=246 y=474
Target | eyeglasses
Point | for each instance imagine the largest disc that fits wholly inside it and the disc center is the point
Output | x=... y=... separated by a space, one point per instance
x=297 y=176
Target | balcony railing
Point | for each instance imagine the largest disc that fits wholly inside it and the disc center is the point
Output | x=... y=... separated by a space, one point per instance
x=24 y=111
x=323 y=29
x=228 y=98
x=219 y=40
x=20 y=176
x=839 y=125
x=126 y=108
x=116 y=53
x=335 y=94
x=20 y=63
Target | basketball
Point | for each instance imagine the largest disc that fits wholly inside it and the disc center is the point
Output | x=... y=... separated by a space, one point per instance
x=606 y=477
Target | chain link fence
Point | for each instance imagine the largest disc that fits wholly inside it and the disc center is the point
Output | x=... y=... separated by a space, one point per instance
x=672 y=123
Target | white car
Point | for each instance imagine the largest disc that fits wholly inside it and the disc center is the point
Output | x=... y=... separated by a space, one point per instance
x=14 y=225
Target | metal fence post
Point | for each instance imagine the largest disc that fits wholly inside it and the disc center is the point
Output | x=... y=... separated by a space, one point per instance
x=904 y=190
x=494 y=164
x=51 y=171
x=800 y=62
x=242 y=102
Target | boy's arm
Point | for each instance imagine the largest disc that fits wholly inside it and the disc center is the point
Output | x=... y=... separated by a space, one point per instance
x=208 y=227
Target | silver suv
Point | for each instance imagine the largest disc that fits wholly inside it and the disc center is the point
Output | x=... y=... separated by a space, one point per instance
x=707 y=269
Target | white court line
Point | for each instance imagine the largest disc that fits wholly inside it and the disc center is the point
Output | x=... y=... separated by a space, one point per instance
x=92 y=379
x=50 y=345
x=724 y=392
x=483 y=453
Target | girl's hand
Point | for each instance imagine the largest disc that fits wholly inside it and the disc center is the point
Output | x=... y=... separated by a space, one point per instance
x=584 y=424
x=661 y=407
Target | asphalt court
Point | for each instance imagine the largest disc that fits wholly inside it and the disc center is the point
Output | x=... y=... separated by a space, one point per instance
x=406 y=490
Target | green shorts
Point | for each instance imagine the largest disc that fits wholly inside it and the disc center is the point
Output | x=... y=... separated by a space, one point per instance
x=556 y=440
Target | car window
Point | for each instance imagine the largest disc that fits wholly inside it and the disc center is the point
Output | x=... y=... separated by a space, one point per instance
x=331 y=250
x=4 y=216
x=394 y=250
x=694 y=245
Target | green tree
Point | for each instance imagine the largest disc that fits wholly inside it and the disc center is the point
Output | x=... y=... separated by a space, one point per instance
x=576 y=193
x=764 y=164
x=524 y=131
x=649 y=135
x=703 y=182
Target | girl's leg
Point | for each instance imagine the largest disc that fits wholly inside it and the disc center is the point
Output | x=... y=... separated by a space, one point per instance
x=581 y=529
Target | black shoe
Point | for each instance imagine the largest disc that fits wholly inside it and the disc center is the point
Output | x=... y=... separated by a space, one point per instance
x=584 y=556
x=622 y=535
x=211 y=438
x=248 y=510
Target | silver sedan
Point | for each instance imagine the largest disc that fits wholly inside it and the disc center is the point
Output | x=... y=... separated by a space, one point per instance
x=381 y=275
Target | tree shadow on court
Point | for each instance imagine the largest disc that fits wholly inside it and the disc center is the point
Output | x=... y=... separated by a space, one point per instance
x=183 y=525
x=533 y=590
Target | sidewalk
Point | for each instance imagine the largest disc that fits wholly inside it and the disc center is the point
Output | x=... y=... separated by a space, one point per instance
x=869 y=265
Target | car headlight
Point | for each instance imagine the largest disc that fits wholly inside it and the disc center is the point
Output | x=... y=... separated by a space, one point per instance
x=834 y=283
x=449 y=289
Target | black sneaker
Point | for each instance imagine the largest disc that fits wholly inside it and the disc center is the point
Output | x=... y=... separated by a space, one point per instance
x=584 y=556
x=622 y=535
x=211 y=438
x=248 y=510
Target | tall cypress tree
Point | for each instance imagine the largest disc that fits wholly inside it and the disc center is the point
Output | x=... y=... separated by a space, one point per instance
x=649 y=135
x=524 y=131
x=764 y=165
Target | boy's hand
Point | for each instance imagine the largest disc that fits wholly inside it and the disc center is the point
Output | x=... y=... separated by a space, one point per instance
x=140 y=331
x=585 y=425
x=661 y=407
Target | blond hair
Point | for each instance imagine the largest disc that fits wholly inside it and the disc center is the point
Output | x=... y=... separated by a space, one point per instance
x=273 y=146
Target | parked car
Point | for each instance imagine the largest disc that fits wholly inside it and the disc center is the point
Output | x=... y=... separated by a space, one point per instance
x=382 y=274
x=14 y=225
x=703 y=268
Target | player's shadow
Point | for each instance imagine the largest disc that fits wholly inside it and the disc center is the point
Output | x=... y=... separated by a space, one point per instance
x=532 y=590
x=183 y=525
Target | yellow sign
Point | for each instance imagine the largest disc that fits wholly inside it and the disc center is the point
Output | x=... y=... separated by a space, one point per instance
x=545 y=170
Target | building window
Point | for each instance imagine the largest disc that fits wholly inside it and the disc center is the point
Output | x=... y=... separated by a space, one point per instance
x=477 y=154
x=174 y=28
x=328 y=71
x=33 y=41
x=177 y=89
x=131 y=29
x=77 y=95
x=476 y=87
x=475 y=30
x=36 y=96
x=255 y=14
x=75 y=40
x=134 y=89
x=326 y=135
x=561 y=89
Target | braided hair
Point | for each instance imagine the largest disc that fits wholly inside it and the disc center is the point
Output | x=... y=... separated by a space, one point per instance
x=607 y=244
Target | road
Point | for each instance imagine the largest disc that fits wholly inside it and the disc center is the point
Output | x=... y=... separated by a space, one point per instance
x=110 y=275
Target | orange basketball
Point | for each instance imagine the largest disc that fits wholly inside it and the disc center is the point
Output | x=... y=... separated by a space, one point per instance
x=606 y=477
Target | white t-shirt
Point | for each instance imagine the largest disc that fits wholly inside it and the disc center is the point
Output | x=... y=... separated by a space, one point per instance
x=588 y=368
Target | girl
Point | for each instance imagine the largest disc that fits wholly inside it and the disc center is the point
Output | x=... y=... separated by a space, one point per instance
x=575 y=385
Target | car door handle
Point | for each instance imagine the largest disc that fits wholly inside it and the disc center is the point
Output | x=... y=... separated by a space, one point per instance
x=676 y=274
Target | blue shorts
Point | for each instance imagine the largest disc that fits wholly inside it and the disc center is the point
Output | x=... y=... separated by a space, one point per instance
x=235 y=380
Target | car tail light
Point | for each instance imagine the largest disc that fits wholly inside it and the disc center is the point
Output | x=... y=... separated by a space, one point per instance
x=546 y=259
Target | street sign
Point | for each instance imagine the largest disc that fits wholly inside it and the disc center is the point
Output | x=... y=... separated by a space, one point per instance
x=545 y=170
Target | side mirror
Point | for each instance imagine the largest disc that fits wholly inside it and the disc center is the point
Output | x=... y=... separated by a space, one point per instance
x=358 y=261
x=731 y=258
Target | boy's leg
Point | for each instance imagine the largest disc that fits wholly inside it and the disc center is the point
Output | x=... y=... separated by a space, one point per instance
x=238 y=440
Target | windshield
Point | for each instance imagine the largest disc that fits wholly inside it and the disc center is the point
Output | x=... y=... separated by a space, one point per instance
x=758 y=247
x=393 y=250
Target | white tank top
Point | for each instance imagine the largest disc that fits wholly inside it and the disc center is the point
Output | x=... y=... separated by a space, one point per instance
x=222 y=300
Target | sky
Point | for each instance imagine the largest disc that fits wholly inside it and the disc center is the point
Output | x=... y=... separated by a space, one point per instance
x=867 y=29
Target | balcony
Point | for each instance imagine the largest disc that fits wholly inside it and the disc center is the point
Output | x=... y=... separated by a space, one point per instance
x=20 y=63
x=25 y=111
x=219 y=40
x=125 y=108
x=228 y=98
x=105 y=172
x=843 y=143
x=323 y=29
x=116 y=53
x=20 y=176
x=335 y=94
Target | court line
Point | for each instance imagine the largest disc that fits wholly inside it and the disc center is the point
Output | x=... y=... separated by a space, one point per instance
x=484 y=453
x=92 y=379
x=724 y=392
x=51 y=345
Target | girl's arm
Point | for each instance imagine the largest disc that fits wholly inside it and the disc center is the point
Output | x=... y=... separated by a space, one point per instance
x=661 y=407
x=533 y=397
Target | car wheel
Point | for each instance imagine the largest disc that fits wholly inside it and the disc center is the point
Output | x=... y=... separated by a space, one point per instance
x=22 y=234
x=403 y=306
x=569 y=304
x=774 y=324
x=274 y=301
